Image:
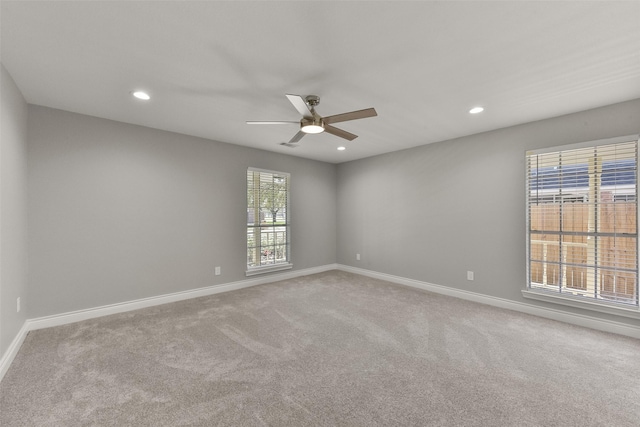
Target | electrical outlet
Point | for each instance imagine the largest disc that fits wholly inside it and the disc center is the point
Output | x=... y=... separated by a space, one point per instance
x=357 y=257
x=217 y=271
x=18 y=305
x=469 y=275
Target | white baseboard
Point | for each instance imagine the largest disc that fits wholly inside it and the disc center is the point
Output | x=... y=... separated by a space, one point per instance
x=549 y=313
x=92 y=313
x=13 y=349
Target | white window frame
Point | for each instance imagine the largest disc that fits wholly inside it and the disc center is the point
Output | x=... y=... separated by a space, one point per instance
x=267 y=265
x=556 y=296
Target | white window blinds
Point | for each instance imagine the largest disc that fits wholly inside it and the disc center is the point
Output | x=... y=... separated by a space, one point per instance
x=268 y=216
x=582 y=237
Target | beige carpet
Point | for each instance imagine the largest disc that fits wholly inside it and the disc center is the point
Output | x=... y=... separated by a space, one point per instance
x=323 y=350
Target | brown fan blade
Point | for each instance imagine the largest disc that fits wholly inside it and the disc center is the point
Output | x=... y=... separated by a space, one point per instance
x=339 y=132
x=301 y=105
x=253 y=122
x=353 y=115
x=297 y=137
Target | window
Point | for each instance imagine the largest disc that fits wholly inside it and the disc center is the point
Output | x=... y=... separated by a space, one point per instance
x=268 y=214
x=582 y=235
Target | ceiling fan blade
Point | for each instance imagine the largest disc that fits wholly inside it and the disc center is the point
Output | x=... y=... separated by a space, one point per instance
x=254 y=122
x=301 y=105
x=353 y=115
x=297 y=137
x=339 y=132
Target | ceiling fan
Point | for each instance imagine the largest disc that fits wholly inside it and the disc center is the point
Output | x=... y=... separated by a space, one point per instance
x=312 y=122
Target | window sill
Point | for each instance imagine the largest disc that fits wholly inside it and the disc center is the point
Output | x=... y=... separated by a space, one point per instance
x=268 y=269
x=578 y=302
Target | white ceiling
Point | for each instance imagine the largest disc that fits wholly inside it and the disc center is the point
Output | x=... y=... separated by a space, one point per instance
x=210 y=66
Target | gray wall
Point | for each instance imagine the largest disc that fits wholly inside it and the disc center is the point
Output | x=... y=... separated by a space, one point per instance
x=13 y=209
x=433 y=212
x=119 y=212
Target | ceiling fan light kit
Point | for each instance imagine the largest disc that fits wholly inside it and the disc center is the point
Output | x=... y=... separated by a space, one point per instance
x=315 y=125
x=312 y=122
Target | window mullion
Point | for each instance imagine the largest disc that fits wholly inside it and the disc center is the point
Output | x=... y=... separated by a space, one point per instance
x=562 y=280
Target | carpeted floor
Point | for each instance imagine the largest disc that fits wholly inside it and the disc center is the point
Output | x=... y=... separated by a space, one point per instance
x=328 y=349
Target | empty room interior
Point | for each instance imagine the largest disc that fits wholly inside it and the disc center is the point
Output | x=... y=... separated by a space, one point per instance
x=319 y=213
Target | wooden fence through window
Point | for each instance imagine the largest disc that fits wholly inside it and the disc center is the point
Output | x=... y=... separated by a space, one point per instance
x=613 y=255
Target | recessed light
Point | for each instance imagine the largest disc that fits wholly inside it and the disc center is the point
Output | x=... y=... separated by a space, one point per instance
x=476 y=110
x=141 y=95
x=342 y=148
